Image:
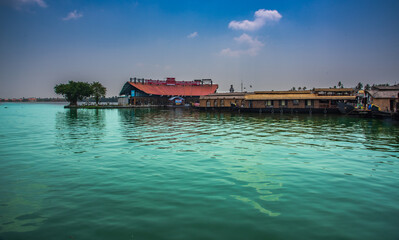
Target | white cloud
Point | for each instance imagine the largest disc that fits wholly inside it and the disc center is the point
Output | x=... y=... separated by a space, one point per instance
x=41 y=3
x=262 y=16
x=193 y=35
x=253 y=46
x=73 y=15
x=20 y=4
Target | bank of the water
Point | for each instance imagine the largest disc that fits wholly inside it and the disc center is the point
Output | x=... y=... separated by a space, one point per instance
x=179 y=174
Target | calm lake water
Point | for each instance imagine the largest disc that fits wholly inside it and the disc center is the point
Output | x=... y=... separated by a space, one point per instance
x=181 y=174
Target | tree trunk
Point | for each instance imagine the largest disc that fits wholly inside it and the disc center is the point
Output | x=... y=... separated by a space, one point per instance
x=73 y=103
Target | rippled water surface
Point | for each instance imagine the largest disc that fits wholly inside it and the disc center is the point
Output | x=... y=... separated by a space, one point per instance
x=181 y=174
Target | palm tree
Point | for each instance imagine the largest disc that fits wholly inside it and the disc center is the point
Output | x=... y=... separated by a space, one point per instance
x=98 y=91
x=359 y=86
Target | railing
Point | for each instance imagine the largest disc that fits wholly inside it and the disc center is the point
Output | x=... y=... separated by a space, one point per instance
x=161 y=82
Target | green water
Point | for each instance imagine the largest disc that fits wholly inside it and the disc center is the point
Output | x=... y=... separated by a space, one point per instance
x=181 y=174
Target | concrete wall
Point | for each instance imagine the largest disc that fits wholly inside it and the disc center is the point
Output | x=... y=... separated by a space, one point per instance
x=384 y=103
x=123 y=101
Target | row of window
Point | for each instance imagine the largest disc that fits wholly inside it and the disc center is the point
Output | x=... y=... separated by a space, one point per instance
x=268 y=103
x=283 y=103
x=334 y=93
x=215 y=103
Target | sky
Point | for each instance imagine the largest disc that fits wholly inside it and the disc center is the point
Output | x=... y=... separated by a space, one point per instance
x=265 y=45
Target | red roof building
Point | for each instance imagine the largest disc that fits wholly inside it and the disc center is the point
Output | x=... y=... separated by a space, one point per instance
x=157 y=92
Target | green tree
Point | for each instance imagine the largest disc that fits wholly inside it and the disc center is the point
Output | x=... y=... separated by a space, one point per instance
x=98 y=91
x=367 y=87
x=74 y=91
x=359 y=86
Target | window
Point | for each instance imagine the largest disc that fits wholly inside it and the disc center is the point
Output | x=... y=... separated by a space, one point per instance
x=215 y=103
x=222 y=103
x=283 y=103
x=269 y=103
x=295 y=102
x=309 y=103
x=208 y=104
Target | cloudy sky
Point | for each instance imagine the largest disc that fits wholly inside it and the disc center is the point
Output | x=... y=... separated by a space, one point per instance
x=269 y=45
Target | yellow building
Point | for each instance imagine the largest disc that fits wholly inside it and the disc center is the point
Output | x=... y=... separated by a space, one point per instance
x=317 y=100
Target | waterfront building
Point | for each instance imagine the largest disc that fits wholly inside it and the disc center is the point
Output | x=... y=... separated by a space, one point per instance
x=223 y=100
x=386 y=98
x=140 y=91
x=317 y=100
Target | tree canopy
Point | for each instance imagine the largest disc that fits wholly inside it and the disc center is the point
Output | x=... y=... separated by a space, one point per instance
x=98 y=91
x=359 y=86
x=74 y=91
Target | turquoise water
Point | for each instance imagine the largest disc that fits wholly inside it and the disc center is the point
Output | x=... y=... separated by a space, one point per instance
x=181 y=174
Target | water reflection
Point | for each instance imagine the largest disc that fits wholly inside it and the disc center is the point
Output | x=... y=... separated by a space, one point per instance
x=163 y=126
x=78 y=129
x=247 y=145
x=377 y=132
x=196 y=133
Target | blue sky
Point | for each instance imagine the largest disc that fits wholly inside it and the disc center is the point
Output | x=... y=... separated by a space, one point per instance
x=270 y=45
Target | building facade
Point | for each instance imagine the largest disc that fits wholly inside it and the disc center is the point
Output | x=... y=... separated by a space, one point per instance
x=321 y=100
x=159 y=92
x=386 y=98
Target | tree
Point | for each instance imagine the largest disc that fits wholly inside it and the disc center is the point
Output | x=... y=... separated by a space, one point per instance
x=367 y=87
x=299 y=88
x=98 y=91
x=74 y=91
x=359 y=86
x=293 y=88
x=304 y=88
x=339 y=84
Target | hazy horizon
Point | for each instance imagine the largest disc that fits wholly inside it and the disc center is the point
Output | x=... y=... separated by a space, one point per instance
x=269 y=45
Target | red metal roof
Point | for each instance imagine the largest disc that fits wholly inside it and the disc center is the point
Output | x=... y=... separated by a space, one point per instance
x=176 y=90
